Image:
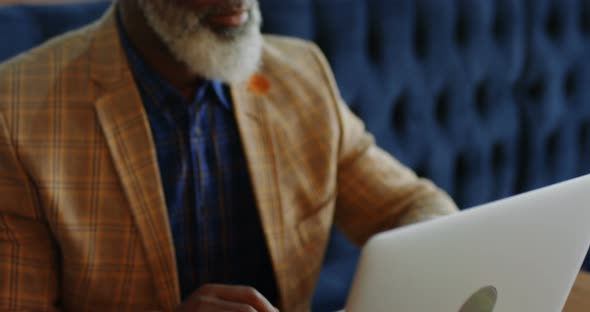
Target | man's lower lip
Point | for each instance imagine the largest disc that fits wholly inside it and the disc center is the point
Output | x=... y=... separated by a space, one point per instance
x=230 y=20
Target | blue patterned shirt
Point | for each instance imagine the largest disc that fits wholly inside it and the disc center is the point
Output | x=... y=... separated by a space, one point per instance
x=215 y=225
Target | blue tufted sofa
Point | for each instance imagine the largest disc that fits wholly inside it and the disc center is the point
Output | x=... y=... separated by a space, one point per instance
x=486 y=97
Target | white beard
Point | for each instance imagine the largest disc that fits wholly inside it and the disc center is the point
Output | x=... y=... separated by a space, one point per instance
x=228 y=57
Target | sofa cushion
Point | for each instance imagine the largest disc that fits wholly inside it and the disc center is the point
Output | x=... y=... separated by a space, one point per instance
x=23 y=27
x=555 y=94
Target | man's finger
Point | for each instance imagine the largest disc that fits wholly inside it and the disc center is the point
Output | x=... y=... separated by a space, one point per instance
x=239 y=294
x=215 y=304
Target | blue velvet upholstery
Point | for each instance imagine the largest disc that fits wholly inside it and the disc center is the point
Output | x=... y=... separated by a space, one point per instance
x=488 y=98
x=555 y=93
x=23 y=27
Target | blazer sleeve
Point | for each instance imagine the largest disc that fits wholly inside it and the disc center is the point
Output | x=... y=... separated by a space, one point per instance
x=375 y=191
x=28 y=260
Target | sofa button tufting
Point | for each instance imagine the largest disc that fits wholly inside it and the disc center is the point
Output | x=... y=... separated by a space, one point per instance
x=442 y=108
x=584 y=147
x=499 y=165
x=536 y=90
x=399 y=115
x=462 y=32
x=482 y=102
x=552 y=151
x=462 y=170
x=421 y=37
x=375 y=44
x=421 y=171
x=585 y=20
x=570 y=84
x=500 y=27
x=355 y=109
x=584 y=136
x=554 y=25
x=499 y=157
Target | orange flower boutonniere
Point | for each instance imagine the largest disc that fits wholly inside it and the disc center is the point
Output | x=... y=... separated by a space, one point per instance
x=258 y=84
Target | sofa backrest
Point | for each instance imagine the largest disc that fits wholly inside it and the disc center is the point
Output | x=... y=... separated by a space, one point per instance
x=25 y=26
x=487 y=98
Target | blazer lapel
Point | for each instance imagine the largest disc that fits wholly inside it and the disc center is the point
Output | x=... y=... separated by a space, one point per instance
x=126 y=129
x=257 y=141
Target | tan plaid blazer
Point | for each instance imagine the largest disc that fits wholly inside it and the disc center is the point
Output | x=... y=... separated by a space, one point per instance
x=83 y=222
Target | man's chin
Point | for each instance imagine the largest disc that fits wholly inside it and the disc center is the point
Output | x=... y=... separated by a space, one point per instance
x=229 y=61
x=214 y=51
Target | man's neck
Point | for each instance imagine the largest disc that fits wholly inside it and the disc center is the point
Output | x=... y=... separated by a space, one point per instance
x=153 y=51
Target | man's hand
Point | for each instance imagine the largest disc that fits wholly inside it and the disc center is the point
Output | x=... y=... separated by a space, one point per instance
x=212 y=298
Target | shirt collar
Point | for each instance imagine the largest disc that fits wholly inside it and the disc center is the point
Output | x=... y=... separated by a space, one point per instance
x=162 y=89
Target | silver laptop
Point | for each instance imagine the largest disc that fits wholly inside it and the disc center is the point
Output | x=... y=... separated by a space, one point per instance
x=518 y=254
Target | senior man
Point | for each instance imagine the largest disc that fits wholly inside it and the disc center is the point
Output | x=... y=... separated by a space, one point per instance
x=170 y=157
